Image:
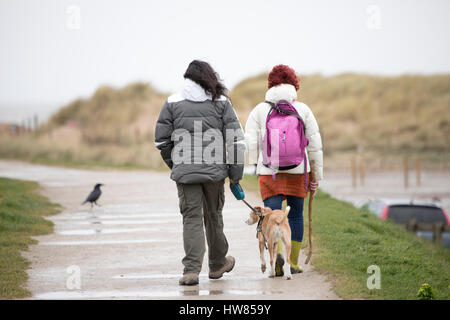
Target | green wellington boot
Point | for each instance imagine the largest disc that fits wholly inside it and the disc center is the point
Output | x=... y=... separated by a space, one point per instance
x=295 y=252
x=279 y=262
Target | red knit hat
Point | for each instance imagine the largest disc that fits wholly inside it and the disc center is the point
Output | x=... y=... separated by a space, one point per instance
x=283 y=74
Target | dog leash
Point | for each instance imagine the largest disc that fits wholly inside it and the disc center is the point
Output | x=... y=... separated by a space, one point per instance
x=259 y=229
x=259 y=226
x=238 y=192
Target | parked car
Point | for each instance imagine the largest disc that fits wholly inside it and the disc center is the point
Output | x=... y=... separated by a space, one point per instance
x=423 y=212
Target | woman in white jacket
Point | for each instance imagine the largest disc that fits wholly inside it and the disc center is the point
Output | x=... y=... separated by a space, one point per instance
x=283 y=84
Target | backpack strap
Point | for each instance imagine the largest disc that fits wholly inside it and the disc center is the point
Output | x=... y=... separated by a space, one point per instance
x=288 y=112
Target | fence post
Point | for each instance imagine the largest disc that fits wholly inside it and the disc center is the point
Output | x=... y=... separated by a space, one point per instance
x=30 y=125
x=354 y=171
x=445 y=159
x=418 y=171
x=437 y=232
x=35 y=123
x=362 y=171
x=405 y=172
x=410 y=225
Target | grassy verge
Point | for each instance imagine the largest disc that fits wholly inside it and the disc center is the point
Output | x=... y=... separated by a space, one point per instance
x=21 y=216
x=348 y=240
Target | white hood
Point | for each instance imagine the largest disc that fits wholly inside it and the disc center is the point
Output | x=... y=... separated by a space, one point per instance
x=281 y=92
x=194 y=92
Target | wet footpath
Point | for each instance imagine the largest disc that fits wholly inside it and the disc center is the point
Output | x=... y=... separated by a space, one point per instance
x=131 y=246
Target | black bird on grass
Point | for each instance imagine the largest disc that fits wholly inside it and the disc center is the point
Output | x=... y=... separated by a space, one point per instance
x=94 y=195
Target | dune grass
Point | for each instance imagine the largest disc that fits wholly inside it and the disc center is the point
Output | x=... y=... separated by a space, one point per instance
x=348 y=240
x=386 y=114
x=384 y=117
x=21 y=216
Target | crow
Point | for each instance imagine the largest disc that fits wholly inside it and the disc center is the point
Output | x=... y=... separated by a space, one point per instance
x=94 y=195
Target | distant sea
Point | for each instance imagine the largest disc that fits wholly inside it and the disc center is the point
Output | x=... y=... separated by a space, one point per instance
x=22 y=113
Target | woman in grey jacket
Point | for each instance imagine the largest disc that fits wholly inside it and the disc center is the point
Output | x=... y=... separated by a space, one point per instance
x=202 y=142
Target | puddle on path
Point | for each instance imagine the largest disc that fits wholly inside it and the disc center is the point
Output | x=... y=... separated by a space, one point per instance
x=83 y=232
x=201 y=275
x=119 y=222
x=136 y=207
x=147 y=294
x=98 y=242
x=228 y=292
x=87 y=215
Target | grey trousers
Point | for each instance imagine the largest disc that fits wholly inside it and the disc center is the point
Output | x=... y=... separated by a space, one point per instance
x=202 y=203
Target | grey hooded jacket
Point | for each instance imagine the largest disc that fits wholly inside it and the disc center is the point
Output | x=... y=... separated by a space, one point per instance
x=200 y=140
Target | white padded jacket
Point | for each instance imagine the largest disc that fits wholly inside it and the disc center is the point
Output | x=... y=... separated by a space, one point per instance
x=256 y=127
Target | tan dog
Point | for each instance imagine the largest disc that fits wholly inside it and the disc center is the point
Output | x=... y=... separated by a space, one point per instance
x=275 y=226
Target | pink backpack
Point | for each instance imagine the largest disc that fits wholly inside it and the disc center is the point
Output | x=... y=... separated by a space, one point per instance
x=284 y=143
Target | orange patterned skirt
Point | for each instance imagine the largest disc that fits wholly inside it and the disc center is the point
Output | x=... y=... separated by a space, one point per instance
x=286 y=184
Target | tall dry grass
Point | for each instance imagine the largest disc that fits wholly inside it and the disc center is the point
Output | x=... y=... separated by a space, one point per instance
x=409 y=113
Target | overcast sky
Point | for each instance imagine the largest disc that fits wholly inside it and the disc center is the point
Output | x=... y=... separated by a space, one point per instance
x=53 y=51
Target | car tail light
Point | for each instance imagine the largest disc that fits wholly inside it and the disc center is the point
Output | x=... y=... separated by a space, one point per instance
x=446 y=217
x=384 y=214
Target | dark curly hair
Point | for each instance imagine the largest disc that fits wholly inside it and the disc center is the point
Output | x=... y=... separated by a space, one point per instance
x=283 y=74
x=203 y=74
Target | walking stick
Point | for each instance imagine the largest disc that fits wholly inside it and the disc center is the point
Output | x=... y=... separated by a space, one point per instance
x=312 y=178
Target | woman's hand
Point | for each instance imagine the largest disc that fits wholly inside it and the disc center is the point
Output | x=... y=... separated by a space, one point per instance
x=313 y=188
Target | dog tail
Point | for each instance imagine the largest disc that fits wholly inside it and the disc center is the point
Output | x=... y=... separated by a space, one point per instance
x=281 y=218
